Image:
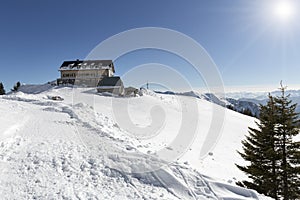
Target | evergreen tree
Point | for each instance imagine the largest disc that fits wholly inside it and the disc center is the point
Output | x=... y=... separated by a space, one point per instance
x=230 y=107
x=273 y=155
x=16 y=87
x=248 y=112
x=2 y=90
x=259 y=150
x=289 y=150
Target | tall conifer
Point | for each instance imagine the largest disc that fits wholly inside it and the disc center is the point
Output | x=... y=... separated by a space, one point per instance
x=272 y=152
x=289 y=150
x=259 y=151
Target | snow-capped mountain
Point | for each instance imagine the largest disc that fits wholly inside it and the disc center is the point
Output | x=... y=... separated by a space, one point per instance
x=75 y=149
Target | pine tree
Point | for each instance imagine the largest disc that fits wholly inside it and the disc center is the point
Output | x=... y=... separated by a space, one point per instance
x=16 y=87
x=259 y=150
x=273 y=155
x=248 y=112
x=287 y=129
x=229 y=106
x=2 y=90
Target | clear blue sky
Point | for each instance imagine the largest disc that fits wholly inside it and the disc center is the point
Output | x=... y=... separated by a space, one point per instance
x=249 y=44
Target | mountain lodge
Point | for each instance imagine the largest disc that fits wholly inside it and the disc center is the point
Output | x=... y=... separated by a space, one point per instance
x=85 y=72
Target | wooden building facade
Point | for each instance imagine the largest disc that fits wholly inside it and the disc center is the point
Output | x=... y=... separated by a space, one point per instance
x=85 y=72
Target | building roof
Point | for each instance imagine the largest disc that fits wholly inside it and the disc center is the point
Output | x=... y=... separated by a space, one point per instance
x=110 y=81
x=87 y=64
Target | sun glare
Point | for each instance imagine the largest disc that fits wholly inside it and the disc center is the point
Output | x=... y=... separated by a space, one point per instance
x=284 y=10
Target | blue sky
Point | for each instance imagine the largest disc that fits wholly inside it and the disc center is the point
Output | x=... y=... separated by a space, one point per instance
x=249 y=44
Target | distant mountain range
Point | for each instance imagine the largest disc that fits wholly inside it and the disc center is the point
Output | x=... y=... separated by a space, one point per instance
x=243 y=102
x=262 y=97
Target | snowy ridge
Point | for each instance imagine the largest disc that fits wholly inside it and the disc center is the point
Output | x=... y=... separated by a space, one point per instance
x=239 y=105
x=69 y=150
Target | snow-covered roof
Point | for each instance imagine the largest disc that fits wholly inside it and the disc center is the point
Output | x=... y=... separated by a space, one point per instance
x=87 y=64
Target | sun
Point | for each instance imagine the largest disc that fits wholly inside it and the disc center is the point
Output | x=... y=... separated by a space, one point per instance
x=283 y=10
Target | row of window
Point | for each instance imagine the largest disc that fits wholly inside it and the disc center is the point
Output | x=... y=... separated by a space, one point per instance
x=83 y=75
x=69 y=75
x=91 y=66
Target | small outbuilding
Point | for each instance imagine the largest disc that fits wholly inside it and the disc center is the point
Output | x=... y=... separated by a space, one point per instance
x=130 y=91
x=112 y=85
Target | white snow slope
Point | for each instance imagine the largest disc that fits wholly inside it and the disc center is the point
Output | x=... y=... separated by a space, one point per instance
x=73 y=149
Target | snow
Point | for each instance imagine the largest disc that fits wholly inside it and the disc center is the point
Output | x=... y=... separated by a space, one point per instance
x=75 y=149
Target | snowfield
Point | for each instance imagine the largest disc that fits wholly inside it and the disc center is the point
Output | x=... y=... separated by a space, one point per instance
x=75 y=149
